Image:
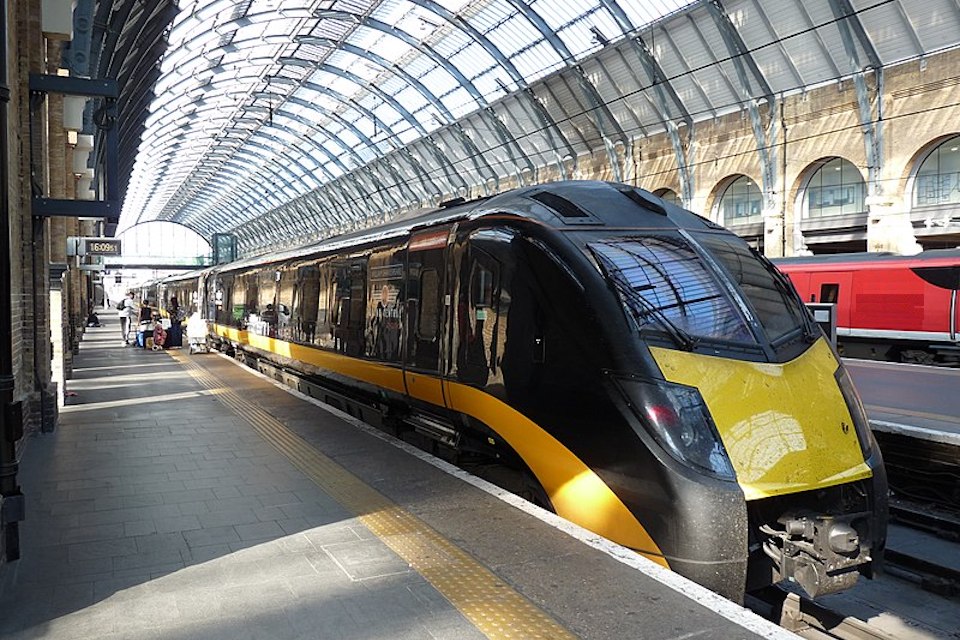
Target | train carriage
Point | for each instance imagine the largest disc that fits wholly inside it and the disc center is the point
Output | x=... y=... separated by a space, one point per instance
x=609 y=356
x=889 y=307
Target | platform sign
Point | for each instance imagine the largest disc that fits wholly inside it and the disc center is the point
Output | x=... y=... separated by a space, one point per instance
x=99 y=247
x=825 y=315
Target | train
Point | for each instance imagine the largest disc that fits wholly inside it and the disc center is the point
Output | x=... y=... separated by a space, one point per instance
x=889 y=307
x=607 y=355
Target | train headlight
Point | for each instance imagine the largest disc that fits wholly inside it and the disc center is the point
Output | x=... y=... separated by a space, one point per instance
x=678 y=419
x=857 y=412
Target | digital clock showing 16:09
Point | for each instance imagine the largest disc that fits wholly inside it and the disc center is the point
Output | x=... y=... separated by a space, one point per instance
x=103 y=247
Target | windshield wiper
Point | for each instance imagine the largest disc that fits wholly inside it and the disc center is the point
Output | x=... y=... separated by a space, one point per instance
x=641 y=307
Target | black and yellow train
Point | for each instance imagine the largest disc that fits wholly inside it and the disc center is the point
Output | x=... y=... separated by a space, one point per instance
x=617 y=359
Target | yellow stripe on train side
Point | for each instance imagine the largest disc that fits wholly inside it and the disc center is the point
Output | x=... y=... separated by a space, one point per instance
x=785 y=426
x=375 y=373
x=576 y=492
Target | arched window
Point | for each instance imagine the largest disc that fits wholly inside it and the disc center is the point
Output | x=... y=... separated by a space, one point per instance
x=741 y=202
x=669 y=195
x=837 y=188
x=938 y=180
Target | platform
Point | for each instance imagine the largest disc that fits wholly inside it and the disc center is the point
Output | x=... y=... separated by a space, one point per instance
x=188 y=497
x=912 y=400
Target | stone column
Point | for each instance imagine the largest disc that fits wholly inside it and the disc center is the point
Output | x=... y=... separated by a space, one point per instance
x=773 y=230
x=889 y=227
x=59 y=369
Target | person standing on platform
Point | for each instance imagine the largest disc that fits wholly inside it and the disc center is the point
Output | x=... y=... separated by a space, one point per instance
x=174 y=335
x=126 y=310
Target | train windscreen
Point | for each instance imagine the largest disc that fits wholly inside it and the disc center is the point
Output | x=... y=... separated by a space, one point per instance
x=664 y=283
x=772 y=299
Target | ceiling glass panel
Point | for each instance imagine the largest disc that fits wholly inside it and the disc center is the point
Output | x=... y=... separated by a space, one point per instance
x=299 y=93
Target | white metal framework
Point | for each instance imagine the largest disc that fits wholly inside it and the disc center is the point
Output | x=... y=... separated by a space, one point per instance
x=282 y=119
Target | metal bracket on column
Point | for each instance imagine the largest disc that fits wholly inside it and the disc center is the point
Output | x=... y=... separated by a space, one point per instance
x=852 y=34
x=752 y=86
x=107 y=89
x=662 y=89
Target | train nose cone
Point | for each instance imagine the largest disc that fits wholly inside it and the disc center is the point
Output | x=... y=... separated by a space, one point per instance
x=843 y=538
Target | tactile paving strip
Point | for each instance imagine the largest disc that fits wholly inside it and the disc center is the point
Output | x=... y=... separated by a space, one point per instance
x=485 y=600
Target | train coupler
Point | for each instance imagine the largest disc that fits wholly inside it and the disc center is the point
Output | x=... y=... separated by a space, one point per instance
x=822 y=554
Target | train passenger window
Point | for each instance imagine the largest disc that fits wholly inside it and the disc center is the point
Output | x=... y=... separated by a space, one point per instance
x=287 y=284
x=829 y=292
x=348 y=302
x=267 y=284
x=428 y=318
x=304 y=318
x=385 y=286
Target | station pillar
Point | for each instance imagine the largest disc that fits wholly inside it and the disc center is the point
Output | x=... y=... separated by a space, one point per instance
x=889 y=227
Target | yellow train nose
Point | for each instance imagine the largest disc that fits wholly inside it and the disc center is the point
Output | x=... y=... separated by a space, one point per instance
x=786 y=427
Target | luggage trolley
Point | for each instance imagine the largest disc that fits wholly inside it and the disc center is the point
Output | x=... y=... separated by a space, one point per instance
x=198 y=339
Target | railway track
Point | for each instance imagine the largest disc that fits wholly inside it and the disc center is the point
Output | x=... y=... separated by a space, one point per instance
x=809 y=619
x=903 y=563
x=943 y=523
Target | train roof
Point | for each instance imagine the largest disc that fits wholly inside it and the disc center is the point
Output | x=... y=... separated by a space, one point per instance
x=567 y=205
x=939 y=256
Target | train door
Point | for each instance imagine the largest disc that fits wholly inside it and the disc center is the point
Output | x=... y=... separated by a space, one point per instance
x=835 y=287
x=425 y=309
x=349 y=303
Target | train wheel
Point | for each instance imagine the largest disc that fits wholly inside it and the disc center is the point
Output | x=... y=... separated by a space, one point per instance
x=917 y=356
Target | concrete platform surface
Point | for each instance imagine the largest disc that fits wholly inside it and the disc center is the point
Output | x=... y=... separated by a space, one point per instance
x=186 y=497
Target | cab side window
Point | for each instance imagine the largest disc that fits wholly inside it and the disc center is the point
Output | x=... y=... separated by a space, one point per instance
x=829 y=292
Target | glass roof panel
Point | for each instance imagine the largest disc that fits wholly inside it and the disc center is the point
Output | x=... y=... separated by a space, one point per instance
x=537 y=61
x=642 y=13
x=347 y=81
x=513 y=34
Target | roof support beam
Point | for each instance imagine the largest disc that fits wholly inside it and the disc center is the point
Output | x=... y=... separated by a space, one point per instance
x=469 y=146
x=853 y=34
x=665 y=97
x=392 y=137
x=751 y=85
x=411 y=41
x=550 y=127
x=610 y=130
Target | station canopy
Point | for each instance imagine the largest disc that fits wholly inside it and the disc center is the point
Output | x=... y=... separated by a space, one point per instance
x=294 y=119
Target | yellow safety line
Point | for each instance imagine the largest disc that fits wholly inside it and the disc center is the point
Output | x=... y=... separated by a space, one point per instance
x=485 y=600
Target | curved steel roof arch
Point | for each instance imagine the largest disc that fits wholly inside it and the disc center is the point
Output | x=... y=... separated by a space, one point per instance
x=363 y=190
x=411 y=41
x=248 y=161
x=423 y=99
x=355 y=130
x=387 y=66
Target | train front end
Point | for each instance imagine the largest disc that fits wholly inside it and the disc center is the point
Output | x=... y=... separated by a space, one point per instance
x=770 y=463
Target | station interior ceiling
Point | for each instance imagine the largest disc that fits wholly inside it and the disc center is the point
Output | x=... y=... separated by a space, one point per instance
x=281 y=119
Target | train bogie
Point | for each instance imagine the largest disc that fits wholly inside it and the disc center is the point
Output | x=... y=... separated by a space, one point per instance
x=608 y=356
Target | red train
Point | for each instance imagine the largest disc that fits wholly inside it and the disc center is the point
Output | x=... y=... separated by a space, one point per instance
x=890 y=307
